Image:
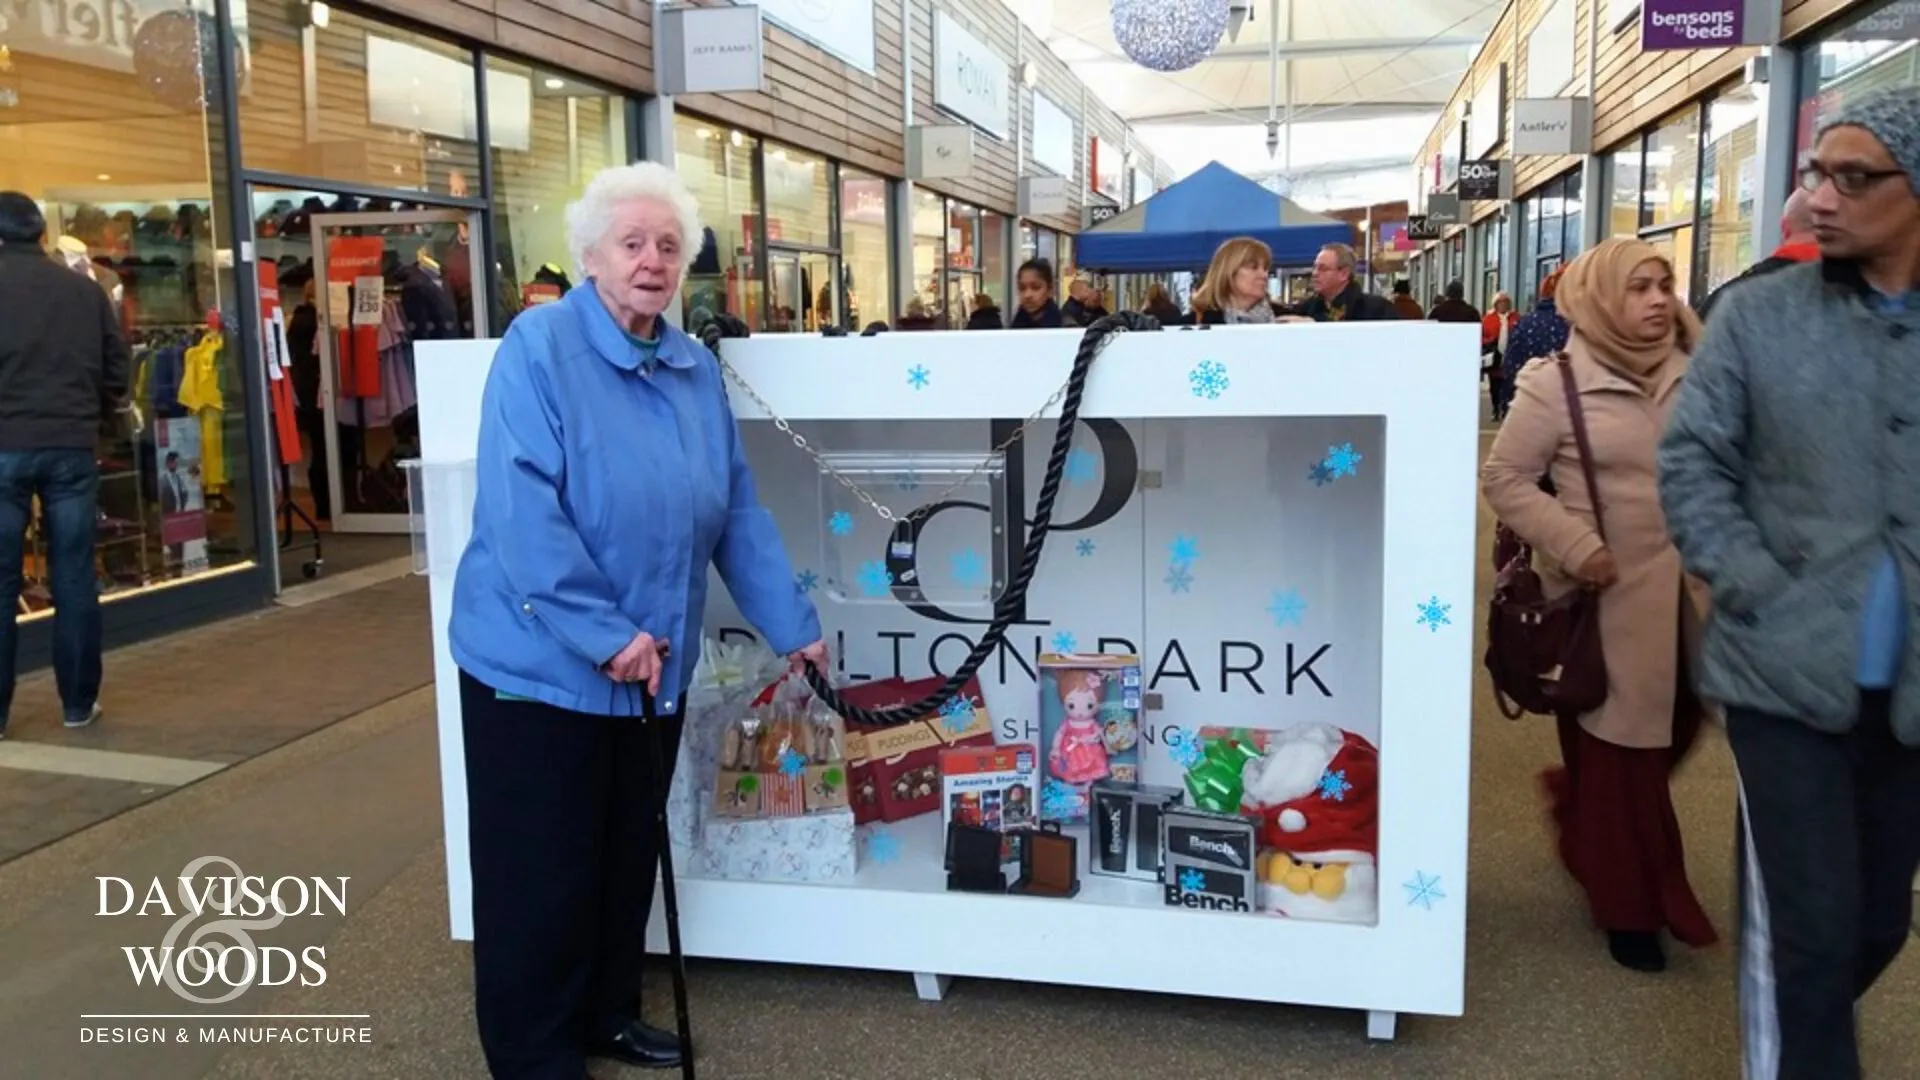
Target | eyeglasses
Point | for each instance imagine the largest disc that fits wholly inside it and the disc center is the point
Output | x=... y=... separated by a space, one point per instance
x=1848 y=182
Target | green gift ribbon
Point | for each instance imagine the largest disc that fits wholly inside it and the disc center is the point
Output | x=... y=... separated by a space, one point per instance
x=1214 y=782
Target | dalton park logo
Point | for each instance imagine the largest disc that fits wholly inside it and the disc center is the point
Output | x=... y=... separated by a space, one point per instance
x=212 y=954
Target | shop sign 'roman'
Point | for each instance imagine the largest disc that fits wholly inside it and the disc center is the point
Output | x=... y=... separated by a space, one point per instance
x=969 y=80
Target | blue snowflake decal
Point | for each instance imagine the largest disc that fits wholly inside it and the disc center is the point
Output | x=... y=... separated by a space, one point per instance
x=792 y=762
x=882 y=846
x=970 y=569
x=917 y=376
x=1082 y=466
x=1184 y=549
x=1192 y=880
x=874 y=579
x=909 y=480
x=1179 y=577
x=840 y=524
x=956 y=715
x=1434 y=615
x=1064 y=641
x=1288 y=608
x=1334 y=786
x=1209 y=379
x=1342 y=460
x=1424 y=890
x=1060 y=801
x=1185 y=749
x=1084 y=547
x=807 y=580
x=1320 y=474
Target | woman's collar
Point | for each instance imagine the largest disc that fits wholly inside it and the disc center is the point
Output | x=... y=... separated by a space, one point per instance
x=611 y=341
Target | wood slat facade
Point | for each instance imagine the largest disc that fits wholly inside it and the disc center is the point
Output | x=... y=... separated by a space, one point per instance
x=610 y=41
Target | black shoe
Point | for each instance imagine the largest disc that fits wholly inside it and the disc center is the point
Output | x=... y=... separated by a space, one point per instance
x=641 y=1046
x=1637 y=950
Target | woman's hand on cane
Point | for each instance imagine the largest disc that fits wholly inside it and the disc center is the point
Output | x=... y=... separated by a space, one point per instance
x=641 y=661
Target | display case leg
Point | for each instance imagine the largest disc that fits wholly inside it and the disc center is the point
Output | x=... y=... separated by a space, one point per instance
x=1380 y=1024
x=931 y=987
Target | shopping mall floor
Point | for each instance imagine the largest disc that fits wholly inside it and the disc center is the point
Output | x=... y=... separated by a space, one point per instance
x=306 y=734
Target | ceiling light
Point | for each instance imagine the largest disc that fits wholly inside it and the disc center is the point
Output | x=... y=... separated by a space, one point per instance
x=556 y=84
x=318 y=14
x=1169 y=35
x=103 y=178
x=705 y=133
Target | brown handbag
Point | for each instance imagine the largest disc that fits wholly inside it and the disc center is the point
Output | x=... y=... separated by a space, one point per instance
x=1545 y=656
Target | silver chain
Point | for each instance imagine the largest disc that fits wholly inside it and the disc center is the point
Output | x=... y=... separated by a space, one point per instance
x=882 y=509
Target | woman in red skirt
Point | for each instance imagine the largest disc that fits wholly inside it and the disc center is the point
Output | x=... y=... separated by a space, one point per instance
x=1627 y=355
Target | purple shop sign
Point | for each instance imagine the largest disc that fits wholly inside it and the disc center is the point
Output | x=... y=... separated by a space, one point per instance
x=1691 y=24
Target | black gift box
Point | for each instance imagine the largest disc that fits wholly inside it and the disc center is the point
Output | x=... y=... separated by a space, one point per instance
x=1209 y=861
x=1125 y=828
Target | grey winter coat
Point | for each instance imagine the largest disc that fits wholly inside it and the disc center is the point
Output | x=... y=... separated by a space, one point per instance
x=1790 y=466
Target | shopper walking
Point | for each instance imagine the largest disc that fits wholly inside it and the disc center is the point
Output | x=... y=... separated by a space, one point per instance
x=1038 y=310
x=1797 y=245
x=1540 y=332
x=1404 y=303
x=1619 y=836
x=1234 y=289
x=63 y=373
x=1788 y=475
x=610 y=476
x=1160 y=305
x=1084 y=304
x=1453 y=306
x=1496 y=330
x=1337 y=297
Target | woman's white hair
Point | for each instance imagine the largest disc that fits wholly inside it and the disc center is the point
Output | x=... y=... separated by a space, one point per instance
x=589 y=218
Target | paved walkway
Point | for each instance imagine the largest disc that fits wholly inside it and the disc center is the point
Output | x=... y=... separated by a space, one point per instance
x=183 y=707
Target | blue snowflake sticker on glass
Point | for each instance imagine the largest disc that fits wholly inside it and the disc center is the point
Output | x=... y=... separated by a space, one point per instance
x=1434 y=614
x=792 y=762
x=1342 y=460
x=1179 y=577
x=1209 y=379
x=1061 y=801
x=1192 y=880
x=882 y=846
x=1288 y=608
x=1185 y=749
x=969 y=569
x=956 y=715
x=874 y=579
x=910 y=480
x=1084 y=547
x=840 y=524
x=1320 y=474
x=1184 y=549
x=807 y=581
x=918 y=376
x=1424 y=891
x=1064 y=641
x=1334 y=785
x=1083 y=466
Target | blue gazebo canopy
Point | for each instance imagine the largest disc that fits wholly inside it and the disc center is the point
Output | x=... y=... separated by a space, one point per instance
x=1180 y=228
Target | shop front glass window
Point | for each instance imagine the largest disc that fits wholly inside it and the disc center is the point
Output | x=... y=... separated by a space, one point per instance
x=1624 y=167
x=717 y=163
x=1877 y=50
x=549 y=134
x=799 y=198
x=1673 y=171
x=993 y=258
x=1728 y=185
x=866 y=280
x=964 y=254
x=925 y=301
x=1527 y=283
x=1573 y=232
x=361 y=102
x=120 y=148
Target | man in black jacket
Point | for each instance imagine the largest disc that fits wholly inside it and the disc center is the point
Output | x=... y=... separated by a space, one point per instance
x=63 y=371
x=1797 y=245
x=1339 y=298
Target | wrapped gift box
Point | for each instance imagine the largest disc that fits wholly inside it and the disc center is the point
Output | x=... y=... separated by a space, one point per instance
x=818 y=848
x=896 y=770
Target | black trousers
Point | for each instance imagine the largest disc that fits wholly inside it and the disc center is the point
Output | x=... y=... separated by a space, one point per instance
x=1830 y=842
x=560 y=821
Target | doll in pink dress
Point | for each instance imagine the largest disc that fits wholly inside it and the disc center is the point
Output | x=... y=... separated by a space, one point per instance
x=1079 y=751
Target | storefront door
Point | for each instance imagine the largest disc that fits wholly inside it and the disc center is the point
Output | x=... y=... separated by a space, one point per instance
x=804 y=299
x=356 y=290
x=962 y=286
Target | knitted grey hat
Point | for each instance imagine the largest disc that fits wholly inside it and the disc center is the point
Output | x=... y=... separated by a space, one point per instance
x=1893 y=117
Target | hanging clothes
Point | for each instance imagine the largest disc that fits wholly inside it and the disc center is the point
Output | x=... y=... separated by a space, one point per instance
x=394 y=368
x=200 y=395
x=286 y=425
x=428 y=306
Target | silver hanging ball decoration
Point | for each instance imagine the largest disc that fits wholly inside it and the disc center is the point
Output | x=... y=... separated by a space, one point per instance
x=169 y=51
x=1170 y=35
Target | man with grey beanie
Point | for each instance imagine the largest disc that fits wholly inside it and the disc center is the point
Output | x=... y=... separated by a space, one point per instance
x=1790 y=477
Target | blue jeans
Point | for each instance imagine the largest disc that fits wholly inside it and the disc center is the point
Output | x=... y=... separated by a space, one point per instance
x=67 y=483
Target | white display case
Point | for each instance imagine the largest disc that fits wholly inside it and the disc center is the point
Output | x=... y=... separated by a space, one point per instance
x=1280 y=520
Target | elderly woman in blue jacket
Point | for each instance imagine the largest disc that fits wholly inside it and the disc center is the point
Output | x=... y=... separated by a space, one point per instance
x=610 y=476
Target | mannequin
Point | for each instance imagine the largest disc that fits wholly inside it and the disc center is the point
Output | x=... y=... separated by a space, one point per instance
x=73 y=252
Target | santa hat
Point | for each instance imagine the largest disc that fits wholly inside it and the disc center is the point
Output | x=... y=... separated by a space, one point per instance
x=1338 y=818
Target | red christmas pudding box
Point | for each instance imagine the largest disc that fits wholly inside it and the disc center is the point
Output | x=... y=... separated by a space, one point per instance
x=895 y=771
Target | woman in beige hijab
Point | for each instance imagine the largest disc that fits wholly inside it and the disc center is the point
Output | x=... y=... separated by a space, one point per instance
x=1627 y=354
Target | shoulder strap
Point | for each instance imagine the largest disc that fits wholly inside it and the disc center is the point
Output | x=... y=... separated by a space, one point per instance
x=1579 y=417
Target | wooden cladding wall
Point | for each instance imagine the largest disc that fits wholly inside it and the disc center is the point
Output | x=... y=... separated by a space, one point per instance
x=1496 y=50
x=1054 y=79
x=815 y=101
x=1533 y=171
x=995 y=161
x=608 y=40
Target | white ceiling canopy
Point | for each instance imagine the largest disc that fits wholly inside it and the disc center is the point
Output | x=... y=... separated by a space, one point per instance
x=1356 y=60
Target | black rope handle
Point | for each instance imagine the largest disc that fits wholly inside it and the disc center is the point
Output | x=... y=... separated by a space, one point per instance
x=1094 y=340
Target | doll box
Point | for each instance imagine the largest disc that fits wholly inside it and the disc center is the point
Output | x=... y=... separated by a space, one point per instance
x=895 y=771
x=993 y=787
x=818 y=848
x=1090 y=706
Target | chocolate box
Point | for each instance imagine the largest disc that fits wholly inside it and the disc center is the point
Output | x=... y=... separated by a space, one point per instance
x=895 y=771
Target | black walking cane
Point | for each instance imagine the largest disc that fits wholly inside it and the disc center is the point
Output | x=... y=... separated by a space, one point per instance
x=663 y=840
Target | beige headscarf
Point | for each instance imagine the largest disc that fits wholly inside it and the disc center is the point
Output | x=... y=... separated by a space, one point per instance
x=1592 y=297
